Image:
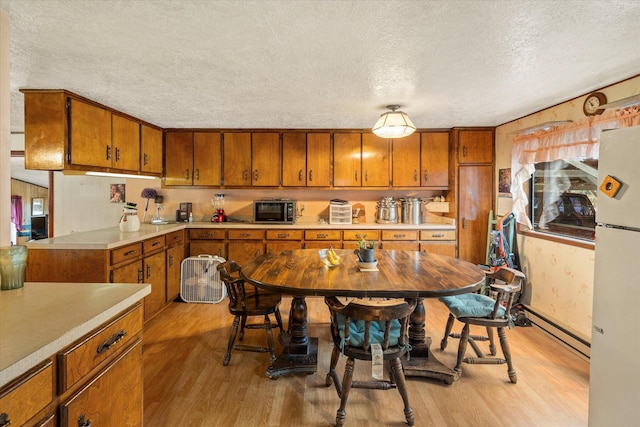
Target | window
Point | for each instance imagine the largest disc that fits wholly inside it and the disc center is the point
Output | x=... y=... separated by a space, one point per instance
x=564 y=198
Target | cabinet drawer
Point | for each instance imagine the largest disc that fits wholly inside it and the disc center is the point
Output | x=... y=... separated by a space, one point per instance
x=153 y=244
x=360 y=234
x=437 y=234
x=207 y=234
x=284 y=234
x=126 y=253
x=175 y=237
x=400 y=235
x=24 y=397
x=78 y=360
x=246 y=234
x=322 y=235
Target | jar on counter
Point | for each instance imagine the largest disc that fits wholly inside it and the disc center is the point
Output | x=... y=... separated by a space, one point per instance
x=13 y=264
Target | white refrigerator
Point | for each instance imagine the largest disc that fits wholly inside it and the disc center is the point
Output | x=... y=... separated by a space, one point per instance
x=614 y=389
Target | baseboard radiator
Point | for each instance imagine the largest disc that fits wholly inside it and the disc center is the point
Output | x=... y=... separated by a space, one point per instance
x=582 y=347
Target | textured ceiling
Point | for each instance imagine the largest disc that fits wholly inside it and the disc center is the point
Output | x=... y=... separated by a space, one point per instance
x=321 y=64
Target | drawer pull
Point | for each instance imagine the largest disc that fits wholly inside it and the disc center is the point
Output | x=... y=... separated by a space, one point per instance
x=111 y=341
x=399 y=236
x=245 y=234
x=148 y=271
x=146 y=159
x=361 y=236
x=170 y=260
x=82 y=422
x=131 y=252
x=283 y=235
x=437 y=235
x=140 y=276
x=205 y=235
x=4 y=420
x=155 y=243
x=322 y=235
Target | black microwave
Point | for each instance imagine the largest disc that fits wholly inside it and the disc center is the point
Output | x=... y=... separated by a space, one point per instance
x=274 y=211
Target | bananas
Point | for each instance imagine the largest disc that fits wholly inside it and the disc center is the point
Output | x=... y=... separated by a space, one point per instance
x=332 y=257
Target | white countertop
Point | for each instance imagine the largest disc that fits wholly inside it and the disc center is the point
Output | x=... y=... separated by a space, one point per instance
x=40 y=319
x=112 y=237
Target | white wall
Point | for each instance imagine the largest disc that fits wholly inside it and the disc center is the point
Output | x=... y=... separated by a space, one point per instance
x=559 y=276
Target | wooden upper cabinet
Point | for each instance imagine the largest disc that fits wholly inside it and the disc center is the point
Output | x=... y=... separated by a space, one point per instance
x=265 y=159
x=375 y=161
x=347 y=160
x=318 y=159
x=150 y=150
x=434 y=159
x=406 y=161
x=306 y=159
x=475 y=146
x=207 y=158
x=236 y=162
x=294 y=159
x=192 y=158
x=125 y=143
x=178 y=158
x=90 y=135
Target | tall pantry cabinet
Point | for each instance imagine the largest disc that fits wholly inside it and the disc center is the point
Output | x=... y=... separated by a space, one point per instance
x=473 y=171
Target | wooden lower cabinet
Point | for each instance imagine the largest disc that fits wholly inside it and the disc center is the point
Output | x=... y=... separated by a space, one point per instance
x=245 y=245
x=155 y=273
x=113 y=398
x=282 y=240
x=439 y=242
x=206 y=241
x=402 y=240
x=175 y=255
x=23 y=398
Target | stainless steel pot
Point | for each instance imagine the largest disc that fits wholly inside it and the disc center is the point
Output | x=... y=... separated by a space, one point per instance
x=410 y=208
x=387 y=211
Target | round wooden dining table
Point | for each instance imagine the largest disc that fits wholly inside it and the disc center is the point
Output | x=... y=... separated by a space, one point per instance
x=398 y=274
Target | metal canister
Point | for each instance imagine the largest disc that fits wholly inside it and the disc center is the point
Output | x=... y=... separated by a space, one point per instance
x=410 y=210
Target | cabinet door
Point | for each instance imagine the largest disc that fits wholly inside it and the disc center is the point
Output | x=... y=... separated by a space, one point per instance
x=375 y=161
x=447 y=248
x=318 y=159
x=111 y=399
x=151 y=149
x=236 y=165
x=206 y=158
x=294 y=159
x=434 y=159
x=155 y=275
x=475 y=146
x=475 y=201
x=90 y=130
x=346 y=160
x=206 y=247
x=265 y=159
x=175 y=255
x=243 y=252
x=406 y=161
x=125 y=143
x=178 y=158
x=130 y=273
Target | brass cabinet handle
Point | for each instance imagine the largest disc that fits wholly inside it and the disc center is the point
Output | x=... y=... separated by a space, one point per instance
x=170 y=260
x=197 y=175
x=255 y=175
x=148 y=271
x=140 y=276
x=186 y=174
x=437 y=235
x=205 y=235
x=464 y=223
x=322 y=235
x=366 y=175
x=356 y=175
x=245 y=234
x=245 y=175
x=117 y=154
x=283 y=235
x=108 y=152
x=132 y=251
x=399 y=236
x=4 y=420
x=311 y=175
x=300 y=175
x=415 y=175
x=464 y=151
x=113 y=340
x=146 y=159
x=426 y=175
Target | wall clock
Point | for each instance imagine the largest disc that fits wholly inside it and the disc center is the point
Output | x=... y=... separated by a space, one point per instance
x=593 y=102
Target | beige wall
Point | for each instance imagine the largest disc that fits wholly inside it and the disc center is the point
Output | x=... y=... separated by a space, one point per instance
x=559 y=276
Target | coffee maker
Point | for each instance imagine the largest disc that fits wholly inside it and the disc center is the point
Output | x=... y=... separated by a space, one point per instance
x=218 y=205
x=184 y=213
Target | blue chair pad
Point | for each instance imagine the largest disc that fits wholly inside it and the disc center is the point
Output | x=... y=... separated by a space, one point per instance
x=471 y=305
x=376 y=332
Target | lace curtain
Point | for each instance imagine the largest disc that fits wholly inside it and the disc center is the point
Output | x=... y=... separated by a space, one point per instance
x=568 y=141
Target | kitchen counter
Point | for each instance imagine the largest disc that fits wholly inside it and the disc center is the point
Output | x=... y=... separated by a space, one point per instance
x=112 y=237
x=41 y=319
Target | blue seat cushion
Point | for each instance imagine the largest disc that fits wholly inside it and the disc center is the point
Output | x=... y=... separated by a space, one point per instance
x=471 y=305
x=376 y=332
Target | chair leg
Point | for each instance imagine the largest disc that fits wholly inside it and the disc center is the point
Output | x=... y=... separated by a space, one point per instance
x=279 y=320
x=242 y=325
x=398 y=375
x=507 y=355
x=332 y=375
x=346 y=383
x=232 y=338
x=462 y=347
x=447 y=331
x=267 y=324
x=492 y=342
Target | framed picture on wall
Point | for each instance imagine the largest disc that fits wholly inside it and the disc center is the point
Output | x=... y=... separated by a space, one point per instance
x=504 y=182
x=37 y=206
x=117 y=193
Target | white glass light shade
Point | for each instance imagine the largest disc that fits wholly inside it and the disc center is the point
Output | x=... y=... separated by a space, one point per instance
x=393 y=124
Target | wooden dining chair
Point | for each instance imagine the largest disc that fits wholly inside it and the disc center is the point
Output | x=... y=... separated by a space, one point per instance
x=491 y=312
x=245 y=300
x=373 y=330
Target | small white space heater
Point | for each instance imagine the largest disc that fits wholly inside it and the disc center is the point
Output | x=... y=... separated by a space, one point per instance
x=200 y=280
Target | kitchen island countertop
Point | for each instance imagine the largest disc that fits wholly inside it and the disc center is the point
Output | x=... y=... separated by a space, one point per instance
x=112 y=237
x=40 y=319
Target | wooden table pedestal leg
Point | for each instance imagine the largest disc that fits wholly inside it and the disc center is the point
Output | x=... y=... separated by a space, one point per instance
x=299 y=352
x=421 y=362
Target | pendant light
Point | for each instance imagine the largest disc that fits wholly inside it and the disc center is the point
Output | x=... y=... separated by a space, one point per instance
x=393 y=124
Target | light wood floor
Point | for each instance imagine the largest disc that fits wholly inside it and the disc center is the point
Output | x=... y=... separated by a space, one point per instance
x=186 y=384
